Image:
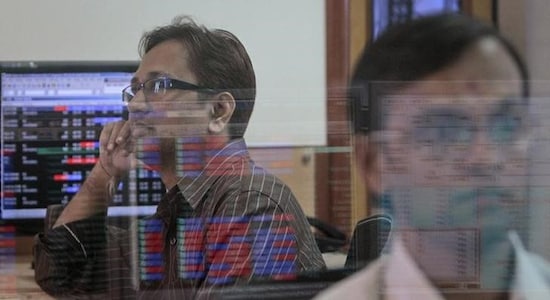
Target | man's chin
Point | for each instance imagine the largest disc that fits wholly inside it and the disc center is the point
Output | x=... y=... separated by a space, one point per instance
x=147 y=151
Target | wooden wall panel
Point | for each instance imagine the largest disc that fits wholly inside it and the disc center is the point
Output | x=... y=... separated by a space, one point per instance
x=336 y=204
x=483 y=9
x=293 y=165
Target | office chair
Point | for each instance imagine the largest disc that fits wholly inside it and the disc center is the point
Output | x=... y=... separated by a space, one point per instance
x=368 y=240
x=328 y=237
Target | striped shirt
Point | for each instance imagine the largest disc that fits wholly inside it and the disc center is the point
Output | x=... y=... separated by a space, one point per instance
x=228 y=224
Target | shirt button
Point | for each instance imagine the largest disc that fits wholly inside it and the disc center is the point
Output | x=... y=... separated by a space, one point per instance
x=173 y=241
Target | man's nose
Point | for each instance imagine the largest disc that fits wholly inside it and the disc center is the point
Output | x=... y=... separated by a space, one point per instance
x=138 y=103
x=483 y=154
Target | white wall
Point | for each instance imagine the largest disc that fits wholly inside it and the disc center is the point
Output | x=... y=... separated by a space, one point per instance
x=285 y=39
x=526 y=23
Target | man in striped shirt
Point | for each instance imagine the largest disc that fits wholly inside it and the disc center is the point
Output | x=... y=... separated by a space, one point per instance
x=223 y=221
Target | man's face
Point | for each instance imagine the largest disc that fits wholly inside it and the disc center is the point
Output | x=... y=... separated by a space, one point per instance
x=157 y=119
x=454 y=159
x=462 y=129
x=174 y=113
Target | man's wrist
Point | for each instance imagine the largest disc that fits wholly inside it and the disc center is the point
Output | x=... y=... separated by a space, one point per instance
x=102 y=167
x=100 y=180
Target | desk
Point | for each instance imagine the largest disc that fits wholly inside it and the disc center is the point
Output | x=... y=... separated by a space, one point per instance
x=17 y=281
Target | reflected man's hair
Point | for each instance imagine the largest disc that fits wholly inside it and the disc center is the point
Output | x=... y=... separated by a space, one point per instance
x=411 y=51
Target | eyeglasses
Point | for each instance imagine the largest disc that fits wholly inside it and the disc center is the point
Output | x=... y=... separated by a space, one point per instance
x=159 y=86
x=448 y=128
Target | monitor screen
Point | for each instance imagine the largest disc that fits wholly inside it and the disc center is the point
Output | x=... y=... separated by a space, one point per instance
x=51 y=116
x=388 y=12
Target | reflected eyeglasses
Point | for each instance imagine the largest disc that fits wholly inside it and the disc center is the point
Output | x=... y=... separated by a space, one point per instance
x=159 y=86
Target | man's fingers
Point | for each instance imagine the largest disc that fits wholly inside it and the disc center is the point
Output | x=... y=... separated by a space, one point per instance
x=124 y=139
x=105 y=136
x=114 y=134
x=123 y=135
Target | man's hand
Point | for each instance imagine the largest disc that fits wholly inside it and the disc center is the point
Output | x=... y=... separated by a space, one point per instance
x=116 y=148
x=115 y=159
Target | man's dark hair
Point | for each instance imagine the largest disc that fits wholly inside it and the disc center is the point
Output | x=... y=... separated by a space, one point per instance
x=219 y=61
x=411 y=51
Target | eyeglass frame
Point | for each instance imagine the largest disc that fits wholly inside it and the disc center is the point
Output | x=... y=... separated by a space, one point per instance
x=443 y=147
x=173 y=84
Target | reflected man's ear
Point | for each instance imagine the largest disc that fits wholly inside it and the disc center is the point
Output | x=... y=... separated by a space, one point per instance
x=222 y=108
x=369 y=157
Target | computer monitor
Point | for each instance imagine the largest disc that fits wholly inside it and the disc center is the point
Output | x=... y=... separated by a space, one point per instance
x=388 y=12
x=51 y=116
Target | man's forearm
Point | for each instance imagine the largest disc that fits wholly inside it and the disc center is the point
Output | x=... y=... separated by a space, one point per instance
x=92 y=198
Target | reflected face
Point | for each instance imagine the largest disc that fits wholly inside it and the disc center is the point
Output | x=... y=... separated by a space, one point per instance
x=455 y=143
x=457 y=138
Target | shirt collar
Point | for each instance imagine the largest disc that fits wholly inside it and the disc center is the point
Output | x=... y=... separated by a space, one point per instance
x=164 y=208
x=403 y=278
x=532 y=273
x=221 y=163
x=193 y=187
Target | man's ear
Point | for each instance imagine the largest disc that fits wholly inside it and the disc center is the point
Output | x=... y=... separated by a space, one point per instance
x=223 y=106
x=369 y=157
